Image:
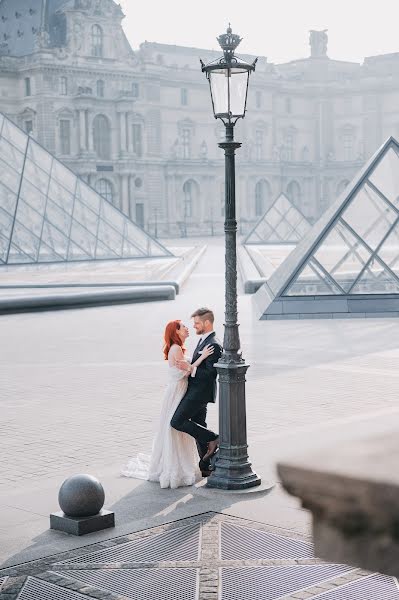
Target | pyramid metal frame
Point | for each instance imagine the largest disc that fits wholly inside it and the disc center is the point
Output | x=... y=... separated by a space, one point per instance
x=49 y=215
x=303 y=286
x=283 y=220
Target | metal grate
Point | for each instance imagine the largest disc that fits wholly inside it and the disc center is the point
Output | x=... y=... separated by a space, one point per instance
x=175 y=544
x=146 y=584
x=2 y=580
x=35 y=589
x=269 y=583
x=244 y=543
x=373 y=587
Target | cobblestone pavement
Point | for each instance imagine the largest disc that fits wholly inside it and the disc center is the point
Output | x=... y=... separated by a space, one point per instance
x=205 y=557
x=81 y=388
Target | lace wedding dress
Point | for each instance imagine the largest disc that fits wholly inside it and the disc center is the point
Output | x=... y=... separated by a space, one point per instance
x=174 y=457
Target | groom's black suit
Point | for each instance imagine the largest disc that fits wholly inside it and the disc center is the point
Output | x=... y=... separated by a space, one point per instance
x=190 y=415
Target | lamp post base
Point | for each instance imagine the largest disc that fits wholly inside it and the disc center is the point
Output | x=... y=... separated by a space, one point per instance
x=232 y=468
x=228 y=476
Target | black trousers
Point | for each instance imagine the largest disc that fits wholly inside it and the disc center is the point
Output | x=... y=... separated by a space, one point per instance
x=190 y=417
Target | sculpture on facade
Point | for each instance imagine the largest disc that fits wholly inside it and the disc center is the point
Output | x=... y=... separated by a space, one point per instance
x=318 y=43
x=275 y=153
x=203 y=150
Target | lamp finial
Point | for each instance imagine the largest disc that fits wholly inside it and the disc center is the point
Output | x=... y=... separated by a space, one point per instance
x=228 y=42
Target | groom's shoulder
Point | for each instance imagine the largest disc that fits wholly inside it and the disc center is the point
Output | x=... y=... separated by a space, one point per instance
x=217 y=342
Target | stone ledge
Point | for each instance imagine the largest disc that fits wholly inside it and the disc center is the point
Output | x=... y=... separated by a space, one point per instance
x=353 y=494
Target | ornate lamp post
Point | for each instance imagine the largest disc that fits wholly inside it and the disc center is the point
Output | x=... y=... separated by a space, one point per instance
x=228 y=81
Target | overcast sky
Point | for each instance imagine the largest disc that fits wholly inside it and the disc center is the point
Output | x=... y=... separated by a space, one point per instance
x=277 y=29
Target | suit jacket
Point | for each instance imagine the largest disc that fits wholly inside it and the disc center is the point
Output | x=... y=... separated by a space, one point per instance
x=202 y=387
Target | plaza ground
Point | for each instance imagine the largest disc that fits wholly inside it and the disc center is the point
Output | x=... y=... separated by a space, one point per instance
x=80 y=391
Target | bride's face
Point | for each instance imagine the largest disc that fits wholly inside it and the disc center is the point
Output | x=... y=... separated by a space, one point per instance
x=183 y=332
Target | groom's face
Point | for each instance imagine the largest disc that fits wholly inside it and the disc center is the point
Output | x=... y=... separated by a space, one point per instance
x=199 y=326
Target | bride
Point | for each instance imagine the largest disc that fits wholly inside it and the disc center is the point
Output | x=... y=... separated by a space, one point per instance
x=174 y=457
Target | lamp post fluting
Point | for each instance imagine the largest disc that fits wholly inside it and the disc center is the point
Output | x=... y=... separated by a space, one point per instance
x=228 y=80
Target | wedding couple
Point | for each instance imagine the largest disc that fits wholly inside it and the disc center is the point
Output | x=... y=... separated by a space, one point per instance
x=182 y=432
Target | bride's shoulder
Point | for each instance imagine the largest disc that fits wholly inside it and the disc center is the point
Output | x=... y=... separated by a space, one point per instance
x=175 y=349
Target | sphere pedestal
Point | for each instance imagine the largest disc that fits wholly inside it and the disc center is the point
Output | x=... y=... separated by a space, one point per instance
x=81 y=498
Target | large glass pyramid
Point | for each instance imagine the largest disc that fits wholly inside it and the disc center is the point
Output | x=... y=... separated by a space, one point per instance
x=47 y=214
x=349 y=261
x=282 y=223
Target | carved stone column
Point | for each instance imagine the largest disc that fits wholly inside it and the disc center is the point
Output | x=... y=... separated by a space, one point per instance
x=82 y=131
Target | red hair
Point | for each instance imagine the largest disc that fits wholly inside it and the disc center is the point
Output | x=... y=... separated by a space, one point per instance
x=171 y=337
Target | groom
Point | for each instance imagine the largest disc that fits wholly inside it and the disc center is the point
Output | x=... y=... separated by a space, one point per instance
x=190 y=415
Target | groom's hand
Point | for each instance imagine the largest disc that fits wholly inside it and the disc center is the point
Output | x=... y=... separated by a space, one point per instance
x=183 y=365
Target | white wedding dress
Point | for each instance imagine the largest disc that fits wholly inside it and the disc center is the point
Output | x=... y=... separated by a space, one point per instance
x=174 y=457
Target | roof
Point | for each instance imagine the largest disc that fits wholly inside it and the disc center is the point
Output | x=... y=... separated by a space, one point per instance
x=22 y=20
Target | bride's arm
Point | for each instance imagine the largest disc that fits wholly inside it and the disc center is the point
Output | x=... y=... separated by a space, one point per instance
x=176 y=359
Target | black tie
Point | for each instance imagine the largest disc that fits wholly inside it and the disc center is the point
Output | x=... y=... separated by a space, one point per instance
x=198 y=345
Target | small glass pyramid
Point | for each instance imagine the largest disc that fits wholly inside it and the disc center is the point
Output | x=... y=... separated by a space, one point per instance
x=282 y=223
x=351 y=254
x=47 y=214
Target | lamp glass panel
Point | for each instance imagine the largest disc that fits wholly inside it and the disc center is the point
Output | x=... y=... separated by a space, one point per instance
x=238 y=92
x=220 y=91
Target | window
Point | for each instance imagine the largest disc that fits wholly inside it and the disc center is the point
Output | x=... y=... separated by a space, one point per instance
x=184 y=97
x=294 y=193
x=258 y=99
x=135 y=89
x=259 y=144
x=348 y=146
x=186 y=142
x=262 y=197
x=137 y=135
x=65 y=136
x=105 y=189
x=102 y=137
x=289 y=146
x=96 y=41
x=63 y=86
x=28 y=126
x=288 y=105
x=191 y=194
x=100 y=88
x=27 y=86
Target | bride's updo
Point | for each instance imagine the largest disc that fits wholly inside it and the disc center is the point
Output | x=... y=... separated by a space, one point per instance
x=171 y=337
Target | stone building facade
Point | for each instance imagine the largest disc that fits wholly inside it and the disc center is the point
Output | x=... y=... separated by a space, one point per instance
x=138 y=125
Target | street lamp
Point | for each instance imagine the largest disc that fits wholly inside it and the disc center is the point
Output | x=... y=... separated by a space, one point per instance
x=228 y=81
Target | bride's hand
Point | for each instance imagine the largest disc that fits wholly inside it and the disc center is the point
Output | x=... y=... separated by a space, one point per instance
x=207 y=351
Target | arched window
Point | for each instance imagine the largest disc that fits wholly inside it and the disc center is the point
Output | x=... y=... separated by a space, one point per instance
x=341 y=186
x=191 y=194
x=105 y=189
x=262 y=197
x=102 y=137
x=96 y=41
x=294 y=193
x=100 y=88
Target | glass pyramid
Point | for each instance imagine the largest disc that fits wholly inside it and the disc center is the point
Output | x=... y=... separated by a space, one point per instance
x=47 y=214
x=282 y=223
x=351 y=254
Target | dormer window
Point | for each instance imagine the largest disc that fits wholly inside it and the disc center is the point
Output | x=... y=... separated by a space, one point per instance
x=63 y=86
x=96 y=41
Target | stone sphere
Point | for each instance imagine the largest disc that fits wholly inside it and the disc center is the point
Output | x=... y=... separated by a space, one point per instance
x=81 y=496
